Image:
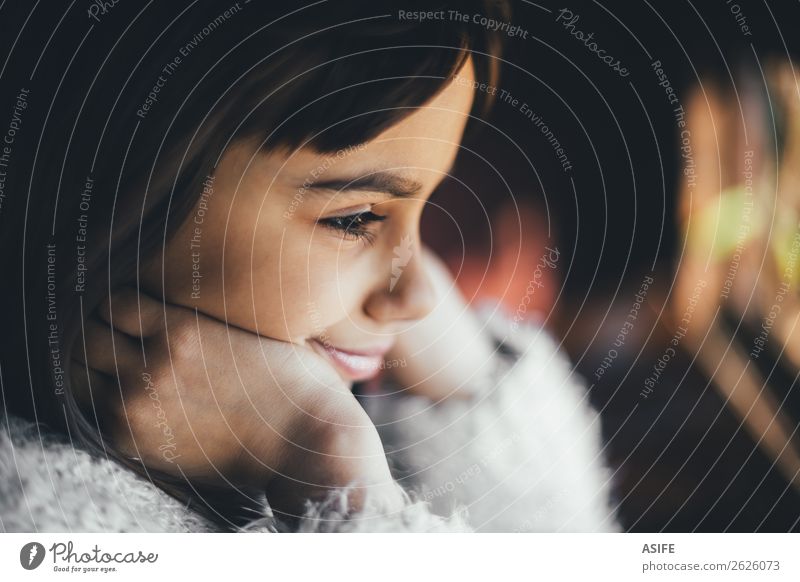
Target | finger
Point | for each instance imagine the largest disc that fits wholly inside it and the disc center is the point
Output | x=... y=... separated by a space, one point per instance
x=133 y=312
x=107 y=350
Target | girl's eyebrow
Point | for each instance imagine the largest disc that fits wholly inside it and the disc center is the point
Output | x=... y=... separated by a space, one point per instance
x=384 y=182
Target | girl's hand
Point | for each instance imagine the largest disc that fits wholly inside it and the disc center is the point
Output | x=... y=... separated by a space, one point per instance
x=447 y=351
x=190 y=395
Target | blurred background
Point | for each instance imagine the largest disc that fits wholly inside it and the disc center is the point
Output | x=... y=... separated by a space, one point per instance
x=664 y=173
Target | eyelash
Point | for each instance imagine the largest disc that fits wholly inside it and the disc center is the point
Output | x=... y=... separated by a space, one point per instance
x=354 y=226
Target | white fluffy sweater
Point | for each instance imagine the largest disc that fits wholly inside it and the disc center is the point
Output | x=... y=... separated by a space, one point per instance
x=524 y=454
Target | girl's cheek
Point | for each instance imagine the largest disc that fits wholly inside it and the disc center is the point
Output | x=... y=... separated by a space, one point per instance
x=322 y=283
x=333 y=300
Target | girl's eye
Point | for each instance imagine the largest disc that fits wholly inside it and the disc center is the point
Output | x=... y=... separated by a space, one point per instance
x=354 y=226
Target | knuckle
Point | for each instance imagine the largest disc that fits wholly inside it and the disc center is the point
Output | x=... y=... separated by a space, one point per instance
x=346 y=429
x=354 y=452
x=183 y=341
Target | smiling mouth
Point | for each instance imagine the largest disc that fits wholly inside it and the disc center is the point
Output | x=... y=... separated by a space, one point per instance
x=354 y=366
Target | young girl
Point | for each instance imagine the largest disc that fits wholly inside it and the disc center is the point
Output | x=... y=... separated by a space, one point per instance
x=222 y=316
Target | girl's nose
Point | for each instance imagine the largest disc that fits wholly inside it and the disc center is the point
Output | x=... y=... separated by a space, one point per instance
x=407 y=293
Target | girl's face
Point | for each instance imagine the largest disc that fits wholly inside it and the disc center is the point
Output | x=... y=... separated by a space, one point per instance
x=320 y=249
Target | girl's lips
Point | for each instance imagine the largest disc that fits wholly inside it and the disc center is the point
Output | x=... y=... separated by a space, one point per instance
x=355 y=365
